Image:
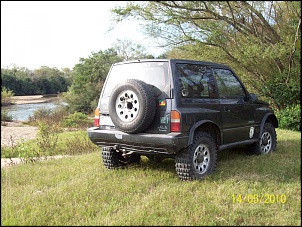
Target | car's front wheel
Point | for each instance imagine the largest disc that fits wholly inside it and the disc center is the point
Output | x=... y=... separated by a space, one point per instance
x=198 y=160
x=267 y=141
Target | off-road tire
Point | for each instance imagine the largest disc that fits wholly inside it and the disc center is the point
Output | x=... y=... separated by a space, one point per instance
x=198 y=160
x=267 y=141
x=111 y=158
x=132 y=106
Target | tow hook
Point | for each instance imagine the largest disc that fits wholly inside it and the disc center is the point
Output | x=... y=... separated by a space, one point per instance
x=126 y=153
x=119 y=149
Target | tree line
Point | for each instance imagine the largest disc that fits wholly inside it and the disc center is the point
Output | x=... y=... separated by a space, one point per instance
x=260 y=40
x=45 y=80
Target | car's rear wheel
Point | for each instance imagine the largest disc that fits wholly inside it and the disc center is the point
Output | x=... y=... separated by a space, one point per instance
x=198 y=160
x=111 y=158
x=132 y=106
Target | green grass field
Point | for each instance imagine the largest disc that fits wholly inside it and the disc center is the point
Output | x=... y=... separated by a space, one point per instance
x=244 y=190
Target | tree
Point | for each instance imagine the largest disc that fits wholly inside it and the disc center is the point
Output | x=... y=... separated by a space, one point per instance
x=45 y=80
x=130 y=51
x=88 y=77
x=259 y=39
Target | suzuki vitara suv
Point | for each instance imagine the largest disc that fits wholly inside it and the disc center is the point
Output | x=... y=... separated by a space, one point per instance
x=181 y=109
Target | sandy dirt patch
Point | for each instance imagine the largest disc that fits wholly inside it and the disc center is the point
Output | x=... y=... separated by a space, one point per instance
x=15 y=132
x=33 y=99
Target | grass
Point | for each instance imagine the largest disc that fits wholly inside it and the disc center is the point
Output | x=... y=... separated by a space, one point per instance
x=50 y=143
x=245 y=190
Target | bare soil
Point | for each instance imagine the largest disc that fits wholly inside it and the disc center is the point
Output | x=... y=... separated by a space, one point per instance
x=14 y=132
x=33 y=99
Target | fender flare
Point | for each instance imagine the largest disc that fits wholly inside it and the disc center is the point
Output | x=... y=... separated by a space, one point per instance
x=195 y=126
x=263 y=122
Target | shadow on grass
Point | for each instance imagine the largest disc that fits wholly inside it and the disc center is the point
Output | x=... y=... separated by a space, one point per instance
x=237 y=163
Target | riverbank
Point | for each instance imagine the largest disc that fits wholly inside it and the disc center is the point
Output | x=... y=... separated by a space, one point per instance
x=26 y=99
x=30 y=99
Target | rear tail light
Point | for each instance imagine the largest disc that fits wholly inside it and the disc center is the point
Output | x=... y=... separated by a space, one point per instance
x=97 y=117
x=175 y=121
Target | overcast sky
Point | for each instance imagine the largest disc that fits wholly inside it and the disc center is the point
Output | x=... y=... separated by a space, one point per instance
x=59 y=33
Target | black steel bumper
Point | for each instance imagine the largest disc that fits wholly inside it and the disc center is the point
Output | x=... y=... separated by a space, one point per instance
x=141 y=143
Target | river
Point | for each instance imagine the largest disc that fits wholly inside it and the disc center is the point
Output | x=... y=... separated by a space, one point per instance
x=21 y=112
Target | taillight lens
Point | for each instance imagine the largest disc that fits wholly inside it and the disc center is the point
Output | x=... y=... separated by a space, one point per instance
x=175 y=121
x=97 y=117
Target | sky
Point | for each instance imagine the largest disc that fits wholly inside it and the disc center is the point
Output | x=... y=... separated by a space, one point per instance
x=59 y=33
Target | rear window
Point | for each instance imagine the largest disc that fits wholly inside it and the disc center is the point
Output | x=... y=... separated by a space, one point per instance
x=154 y=73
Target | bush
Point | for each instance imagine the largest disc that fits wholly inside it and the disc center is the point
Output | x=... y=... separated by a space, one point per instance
x=290 y=118
x=6 y=96
x=48 y=116
x=6 y=116
x=76 y=120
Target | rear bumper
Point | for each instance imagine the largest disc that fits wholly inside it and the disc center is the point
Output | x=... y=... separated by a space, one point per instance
x=141 y=143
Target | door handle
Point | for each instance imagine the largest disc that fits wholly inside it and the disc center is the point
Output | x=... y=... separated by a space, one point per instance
x=227 y=109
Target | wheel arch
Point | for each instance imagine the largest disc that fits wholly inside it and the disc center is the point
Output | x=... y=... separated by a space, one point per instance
x=205 y=126
x=270 y=118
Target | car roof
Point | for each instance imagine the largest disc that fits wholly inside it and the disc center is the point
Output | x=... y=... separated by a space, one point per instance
x=175 y=60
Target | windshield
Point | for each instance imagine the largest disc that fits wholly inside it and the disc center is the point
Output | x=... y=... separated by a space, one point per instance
x=154 y=73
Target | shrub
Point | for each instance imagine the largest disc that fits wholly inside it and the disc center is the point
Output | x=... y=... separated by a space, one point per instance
x=75 y=120
x=50 y=117
x=40 y=114
x=6 y=96
x=80 y=144
x=6 y=116
x=290 y=118
x=48 y=138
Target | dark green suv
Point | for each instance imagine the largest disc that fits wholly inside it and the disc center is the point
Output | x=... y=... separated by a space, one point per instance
x=182 y=109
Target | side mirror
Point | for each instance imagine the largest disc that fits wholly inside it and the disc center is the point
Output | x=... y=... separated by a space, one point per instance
x=253 y=97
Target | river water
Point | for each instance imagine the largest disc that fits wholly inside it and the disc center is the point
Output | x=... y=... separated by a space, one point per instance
x=21 y=112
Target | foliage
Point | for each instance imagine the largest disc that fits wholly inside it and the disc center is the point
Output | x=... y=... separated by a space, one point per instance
x=45 y=80
x=79 y=143
x=259 y=39
x=6 y=96
x=5 y=116
x=290 y=118
x=76 y=120
x=48 y=138
x=17 y=150
x=130 y=51
x=40 y=114
x=88 y=78
x=59 y=119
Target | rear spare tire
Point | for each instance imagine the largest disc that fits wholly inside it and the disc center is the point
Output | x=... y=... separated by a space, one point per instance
x=132 y=106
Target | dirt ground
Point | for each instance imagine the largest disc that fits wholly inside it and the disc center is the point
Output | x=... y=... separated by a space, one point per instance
x=14 y=132
x=33 y=99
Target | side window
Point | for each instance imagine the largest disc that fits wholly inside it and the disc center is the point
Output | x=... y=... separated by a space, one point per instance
x=195 y=81
x=228 y=85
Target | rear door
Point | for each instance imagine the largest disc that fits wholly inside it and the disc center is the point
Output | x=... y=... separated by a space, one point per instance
x=237 y=113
